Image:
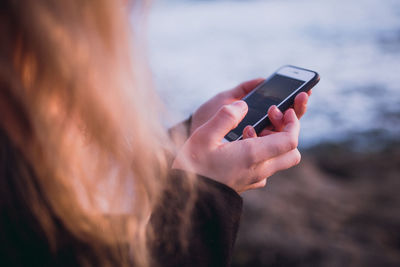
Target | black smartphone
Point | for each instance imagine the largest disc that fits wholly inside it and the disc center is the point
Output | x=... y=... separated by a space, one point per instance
x=279 y=89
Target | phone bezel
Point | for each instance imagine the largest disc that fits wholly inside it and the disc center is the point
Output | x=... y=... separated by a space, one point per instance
x=309 y=77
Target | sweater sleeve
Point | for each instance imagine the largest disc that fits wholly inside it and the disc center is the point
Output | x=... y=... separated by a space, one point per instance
x=201 y=234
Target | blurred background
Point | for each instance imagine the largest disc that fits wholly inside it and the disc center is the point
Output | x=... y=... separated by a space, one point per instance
x=341 y=205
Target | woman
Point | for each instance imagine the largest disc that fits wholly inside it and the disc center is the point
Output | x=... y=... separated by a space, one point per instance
x=85 y=164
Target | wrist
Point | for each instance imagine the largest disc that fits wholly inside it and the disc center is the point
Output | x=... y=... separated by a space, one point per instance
x=180 y=132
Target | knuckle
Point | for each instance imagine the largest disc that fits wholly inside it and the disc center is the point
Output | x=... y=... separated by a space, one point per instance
x=293 y=142
x=286 y=144
x=296 y=157
x=258 y=183
x=250 y=158
x=262 y=183
x=227 y=113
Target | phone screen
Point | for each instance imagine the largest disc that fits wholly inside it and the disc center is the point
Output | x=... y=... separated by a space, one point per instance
x=272 y=92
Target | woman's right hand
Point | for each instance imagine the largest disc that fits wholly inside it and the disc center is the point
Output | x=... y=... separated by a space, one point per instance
x=244 y=164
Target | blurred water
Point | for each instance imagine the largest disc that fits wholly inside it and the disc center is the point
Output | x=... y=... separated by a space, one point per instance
x=198 y=48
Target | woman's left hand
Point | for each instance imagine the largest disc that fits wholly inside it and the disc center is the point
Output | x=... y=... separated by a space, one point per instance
x=208 y=109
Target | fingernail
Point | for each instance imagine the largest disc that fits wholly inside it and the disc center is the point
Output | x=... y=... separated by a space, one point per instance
x=251 y=132
x=277 y=114
x=240 y=104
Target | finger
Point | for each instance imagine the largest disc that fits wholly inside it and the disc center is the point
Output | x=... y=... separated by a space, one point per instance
x=276 y=117
x=276 y=125
x=300 y=104
x=256 y=185
x=291 y=122
x=244 y=88
x=282 y=162
x=249 y=132
x=309 y=92
x=273 y=145
x=270 y=167
x=227 y=118
x=266 y=132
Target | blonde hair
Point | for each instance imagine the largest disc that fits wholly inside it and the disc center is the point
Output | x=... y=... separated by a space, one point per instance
x=76 y=101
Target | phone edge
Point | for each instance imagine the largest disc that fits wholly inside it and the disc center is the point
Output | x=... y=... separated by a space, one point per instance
x=263 y=122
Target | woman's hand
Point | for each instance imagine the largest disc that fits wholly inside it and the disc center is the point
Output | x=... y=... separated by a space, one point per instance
x=243 y=164
x=208 y=109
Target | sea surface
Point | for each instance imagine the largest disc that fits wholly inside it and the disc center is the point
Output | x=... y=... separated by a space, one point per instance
x=199 y=48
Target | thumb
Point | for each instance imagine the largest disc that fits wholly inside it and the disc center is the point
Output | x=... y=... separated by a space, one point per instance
x=227 y=118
